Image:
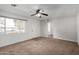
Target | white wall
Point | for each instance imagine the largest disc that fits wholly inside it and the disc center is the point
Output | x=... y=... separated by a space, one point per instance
x=65 y=28
x=78 y=28
x=44 y=28
x=61 y=28
x=32 y=31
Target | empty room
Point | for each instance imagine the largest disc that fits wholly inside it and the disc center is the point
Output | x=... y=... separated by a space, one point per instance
x=39 y=29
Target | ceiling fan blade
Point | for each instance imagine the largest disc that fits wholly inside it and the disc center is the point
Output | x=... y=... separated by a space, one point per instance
x=33 y=14
x=44 y=14
x=14 y=5
x=37 y=11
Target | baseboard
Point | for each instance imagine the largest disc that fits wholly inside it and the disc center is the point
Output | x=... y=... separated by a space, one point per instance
x=65 y=39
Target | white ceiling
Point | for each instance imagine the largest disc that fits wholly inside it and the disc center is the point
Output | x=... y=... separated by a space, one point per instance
x=23 y=11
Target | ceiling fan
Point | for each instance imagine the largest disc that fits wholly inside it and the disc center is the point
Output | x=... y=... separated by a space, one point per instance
x=39 y=13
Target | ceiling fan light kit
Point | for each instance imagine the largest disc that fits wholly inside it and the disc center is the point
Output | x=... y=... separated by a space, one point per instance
x=38 y=15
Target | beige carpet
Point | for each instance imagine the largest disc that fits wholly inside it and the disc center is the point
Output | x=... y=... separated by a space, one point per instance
x=41 y=46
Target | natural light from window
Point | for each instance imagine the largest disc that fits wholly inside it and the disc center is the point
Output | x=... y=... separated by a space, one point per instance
x=11 y=25
x=49 y=27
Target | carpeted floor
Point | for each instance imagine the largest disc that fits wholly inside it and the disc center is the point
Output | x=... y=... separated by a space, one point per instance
x=41 y=46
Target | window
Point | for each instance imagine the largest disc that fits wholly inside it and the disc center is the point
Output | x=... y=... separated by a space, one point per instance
x=11 y=25
x=20 y=26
